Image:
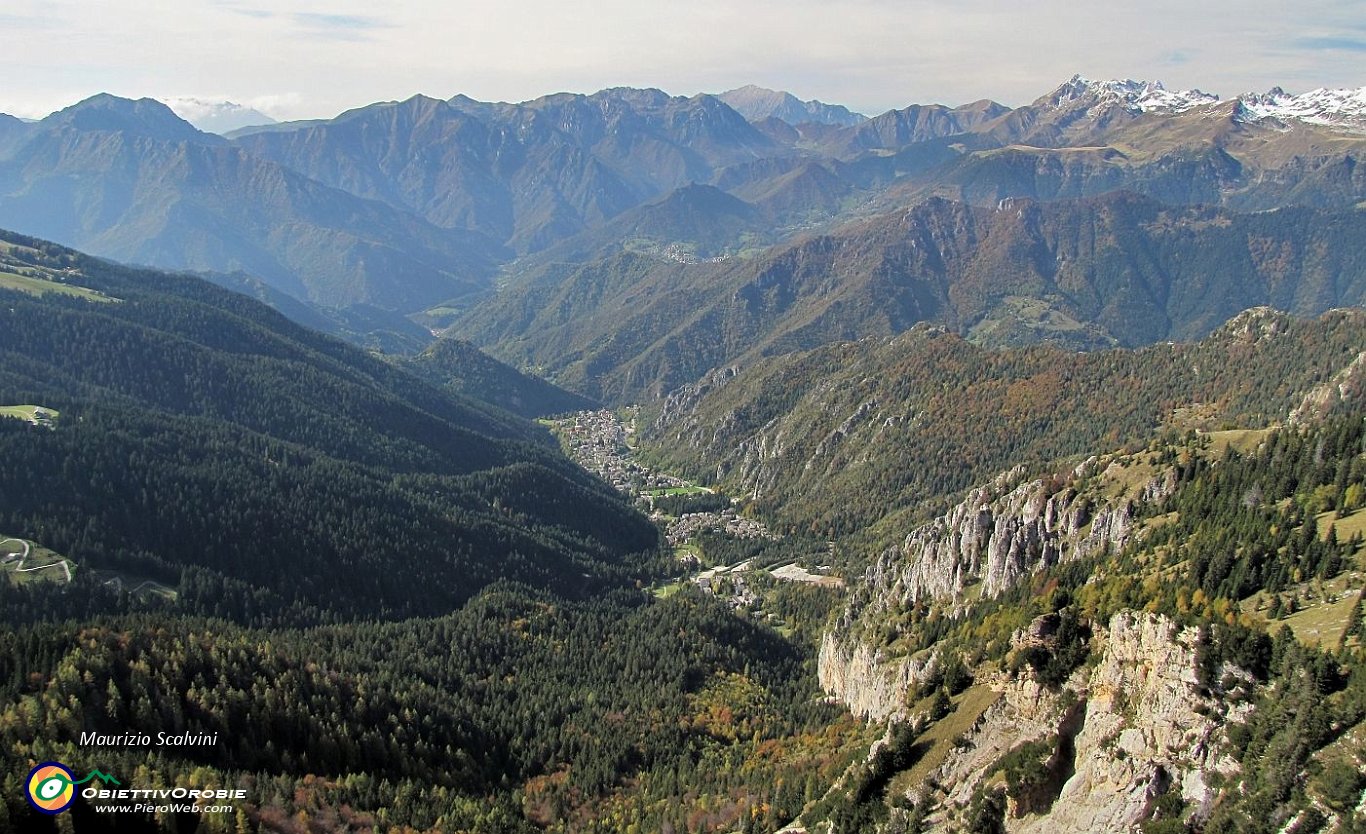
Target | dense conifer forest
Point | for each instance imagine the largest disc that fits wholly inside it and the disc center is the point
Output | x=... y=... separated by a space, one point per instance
x=270 y=474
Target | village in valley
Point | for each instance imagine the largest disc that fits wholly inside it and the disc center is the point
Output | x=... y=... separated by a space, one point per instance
x=701 y=525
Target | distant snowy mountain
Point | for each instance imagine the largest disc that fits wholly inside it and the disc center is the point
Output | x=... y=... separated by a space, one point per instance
x=1334 y=108
x=216 y=116
x=1342 y=109
x=1135 y=96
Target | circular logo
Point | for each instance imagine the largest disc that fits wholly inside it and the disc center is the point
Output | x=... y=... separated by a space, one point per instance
x=51 y=787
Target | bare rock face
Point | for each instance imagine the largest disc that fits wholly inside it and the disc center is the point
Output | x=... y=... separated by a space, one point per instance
x=1024 y=712
x=755 y=456
x=1148 y=730
x=1003 y=531
x=1000 y=533
x=679 y=405
x=1136 y=725
x=870 y=684
x=1346 y=388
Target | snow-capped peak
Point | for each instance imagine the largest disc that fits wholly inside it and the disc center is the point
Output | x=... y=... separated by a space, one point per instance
x=1343 y=109
x=1134 y=96
x=1335 y=108
x=214 y=116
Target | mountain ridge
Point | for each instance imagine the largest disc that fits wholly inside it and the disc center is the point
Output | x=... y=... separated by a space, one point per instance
x=758 y=103
x=143 y=117
x=834 y=438
x=179 y=198
x=1120 y=269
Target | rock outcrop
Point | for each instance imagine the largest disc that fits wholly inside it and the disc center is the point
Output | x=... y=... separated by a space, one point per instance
x=1136 y=726
x=1006 y=530
x=1149 y=729
x=680 y=404
x=1000 y=533
x=1346 y=388
x=871 y=684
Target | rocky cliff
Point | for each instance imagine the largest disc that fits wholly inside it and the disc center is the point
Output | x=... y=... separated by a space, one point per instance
x=1149 y=728
x=1155 y=685
x=1136 y=726
x=1339 y=393
x=1000 y=533
x=869 y=682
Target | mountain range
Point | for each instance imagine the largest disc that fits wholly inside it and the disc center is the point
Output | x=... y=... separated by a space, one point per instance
x=132 y=181
x=1005 y=468
x=420 y=204
x=1112 y=270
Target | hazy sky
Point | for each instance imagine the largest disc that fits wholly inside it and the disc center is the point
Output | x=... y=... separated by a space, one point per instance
x=295 y=59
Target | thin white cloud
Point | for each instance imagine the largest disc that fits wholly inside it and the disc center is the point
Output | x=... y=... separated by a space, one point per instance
x=340 y=27
x=275 y=105
x=26 y=22
x=242 y=7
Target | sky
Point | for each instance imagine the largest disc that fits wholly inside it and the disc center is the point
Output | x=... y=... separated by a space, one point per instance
x=292 y=59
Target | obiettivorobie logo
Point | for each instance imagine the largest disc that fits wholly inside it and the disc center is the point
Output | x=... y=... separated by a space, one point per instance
x=51 y=788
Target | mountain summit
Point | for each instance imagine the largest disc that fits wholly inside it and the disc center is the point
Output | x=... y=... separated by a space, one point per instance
x=1343 y=109
x=143 y=117
x=1340 y=108
x=1134 y=96
x=758 y=103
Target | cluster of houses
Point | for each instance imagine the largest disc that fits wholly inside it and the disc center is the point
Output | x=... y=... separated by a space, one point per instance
x=596 y=440
x=686 y=526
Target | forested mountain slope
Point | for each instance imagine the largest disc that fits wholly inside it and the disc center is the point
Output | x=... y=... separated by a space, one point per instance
x=838 y=438
x=1113 y=270
x=461 y=367
x=521 y=712
x=258 y=533
x=259 y=468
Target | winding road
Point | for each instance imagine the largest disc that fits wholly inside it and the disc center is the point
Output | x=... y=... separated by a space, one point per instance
x=19 y=568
